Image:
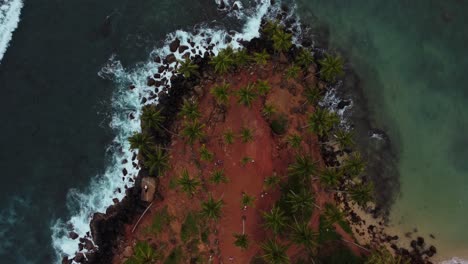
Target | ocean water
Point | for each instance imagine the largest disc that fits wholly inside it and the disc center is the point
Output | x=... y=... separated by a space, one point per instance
x=411 y=58
x=65 y=103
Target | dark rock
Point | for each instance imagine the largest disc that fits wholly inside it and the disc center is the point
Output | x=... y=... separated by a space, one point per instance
x=157 y=76
x=151 y=81
x=131 y=116
x=88 y=245
x=65 y=260
x=143 y=100
x=183 y=48
x=343 y=103
x=80 y=247
x=157 y=59
x=161 y=69
x=420 y=241
x=432 y=236
x=235 y=6
x=124 y=161
x=433 y=249
x=124 y=171
x=171 y=58
x=115 y=200
x=132 y=87
x=174 y=45
x=80 y=258
x=73 y=235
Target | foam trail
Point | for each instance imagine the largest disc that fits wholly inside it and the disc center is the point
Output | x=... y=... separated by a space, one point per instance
x=126 y=102
x=10 y=11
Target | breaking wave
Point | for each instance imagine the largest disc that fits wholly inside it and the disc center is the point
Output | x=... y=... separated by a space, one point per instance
x=10 y=11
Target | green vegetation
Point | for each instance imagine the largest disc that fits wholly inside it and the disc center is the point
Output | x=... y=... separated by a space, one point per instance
x=247 y=200
x=160 y=221
x=292 y=72
x=279 y=124
x=143 y=254
x=383 y=256
x=187 y=68
x=362 y=193
x=303 y=235
x=228 y=136
x=304 y=58
x=190 y=110
x=152 y=118
x=275 y=220
x=175 y=257
x=223 y=61
x=275 y=253
x=312 y=95
x=261 y=58
x=282 y=41
x=211 y=208
x=322 y=121
x=245 y=160
x=331 y=67
x=246 y=95
x=303 y=167
x=241 y=241
x=246 y=135
x=187 y=184
x=205 y=154
x=294 y=140
x=241 y=57
x=332 y=215
x=193 y=131
x=301 y=202
x=189 y=229
x=268 y=110
x=330 y=177
x=272 y=181
x=326 y=232
x=221 y=93
x=262 y=87
x=354 y=165
x=344 y=139
x=140 y=141
x=157 y=162
x=218 y=176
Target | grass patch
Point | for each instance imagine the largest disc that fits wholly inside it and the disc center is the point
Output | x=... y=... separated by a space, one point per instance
x=176 y=257
x=160 y=221
x=189 y=227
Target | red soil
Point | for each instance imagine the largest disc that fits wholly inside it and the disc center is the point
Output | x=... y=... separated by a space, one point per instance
x=270 y=155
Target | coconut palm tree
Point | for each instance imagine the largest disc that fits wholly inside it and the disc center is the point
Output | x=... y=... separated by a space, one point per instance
x=383 y=256
x=354 y=165
x=275 y=253
x=332 y=215
x=272 y=181
x=275 y=220
x=271 y=27
x=305 y=58
x=262 y=87
x=221 y=93
x=205 y=154
x=330 y=177
x=242 y=241
x=245 y=160
x=193 y=131
x=322 y=121
x=187 y=68
x=282 y=41
x=303 y=167
x=157 y=161
x=212 y=208
x=241 y=57
x=344 y=139
x=362 y=193
x=246 y=135
x=294 y=140
x=190 y=110
x=292 y=72
x=143 y=253
x=189 y=185
x=140 y=141
x=223 y=61
x=268 y=110
x=261 y=58
x=152 y=118
x=218 y=176
x=228 y=136
x=303 y=235
x=247 y=200
x=331 y=67
x=312 y=95
x=301 y=201
x=246 y=95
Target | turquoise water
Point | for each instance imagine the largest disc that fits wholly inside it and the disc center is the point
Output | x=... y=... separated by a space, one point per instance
x=412 y=59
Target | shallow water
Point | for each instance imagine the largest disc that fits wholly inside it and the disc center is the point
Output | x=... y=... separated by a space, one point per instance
x=411 y=57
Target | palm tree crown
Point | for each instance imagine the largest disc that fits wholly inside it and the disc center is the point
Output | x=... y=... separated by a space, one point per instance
x=211 y=208
x=187 y=68
x=302 y=167
x=228 y=136
x=275 y=253
x=152 y=118
x=332 y=67
x=362 y=193
x=332 y=214
x=223 y=61
x=301 y=201
x=218 y=176
x=330 y=177
x=205 y=154
x=354 y=165
x=344 y=139
x=143 y=254
x=304 y=58
x=188 y=185
x=241 y=240
x=193 y=131
x=190 y=110
x=139 y=141
x=312 y=95
x=246 y=135
x=158 y=161
x=303 y=235
x=246 y=95
x=322 y=121
x=295 y=141
x=262 y=87
x=221 y=93
x=275 y=219
x=293 y=72
x=281 y=40
x=261 y=58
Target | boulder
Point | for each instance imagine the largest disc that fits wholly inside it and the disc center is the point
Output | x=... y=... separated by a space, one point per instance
x=174 y=45
x=150 y=81
x=183 y=48
x=171 y=58
x=198 y=90
x=73 y=235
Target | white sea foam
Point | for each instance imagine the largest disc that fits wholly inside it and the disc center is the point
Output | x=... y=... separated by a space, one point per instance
x=10 y=11
x=455 y=260
x=125 y=101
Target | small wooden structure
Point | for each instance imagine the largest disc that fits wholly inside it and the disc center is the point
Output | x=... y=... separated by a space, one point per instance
x=148 y=189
